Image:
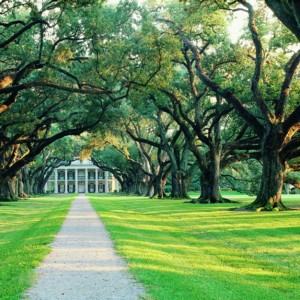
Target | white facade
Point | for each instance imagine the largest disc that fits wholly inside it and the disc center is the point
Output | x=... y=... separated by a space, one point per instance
x=81 y=177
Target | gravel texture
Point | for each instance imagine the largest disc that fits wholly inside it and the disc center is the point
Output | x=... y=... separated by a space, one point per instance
x=83 y=264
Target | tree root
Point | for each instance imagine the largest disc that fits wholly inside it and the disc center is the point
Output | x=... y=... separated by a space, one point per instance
x=177 y=198
x=24 y=195
x=257 y=207
x=209 y=201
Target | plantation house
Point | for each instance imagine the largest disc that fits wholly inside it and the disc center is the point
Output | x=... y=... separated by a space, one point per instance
x=81 y=176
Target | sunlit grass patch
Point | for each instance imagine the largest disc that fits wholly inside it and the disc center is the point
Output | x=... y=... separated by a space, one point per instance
x=185 y=251
x=26 y=228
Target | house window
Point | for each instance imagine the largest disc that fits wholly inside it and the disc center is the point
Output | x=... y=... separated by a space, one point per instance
x=91 y=188
x=71 y=188
x=61 y=175
x=61 y=188
x=91 y=175
x=101 y=188
x=71 y=175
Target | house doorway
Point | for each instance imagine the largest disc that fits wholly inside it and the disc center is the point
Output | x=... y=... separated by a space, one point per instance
x=81 y=187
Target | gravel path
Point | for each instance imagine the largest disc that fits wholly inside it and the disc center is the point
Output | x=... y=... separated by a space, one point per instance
x=83 y=264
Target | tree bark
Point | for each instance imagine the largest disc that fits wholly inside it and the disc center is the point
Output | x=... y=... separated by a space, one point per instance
x=4 y=191
x=9 y=189
x=21 y=192
x=179 y=185
x=209 y=182
x=125 y=185
x=158 y=187
x=210 y=190
x=288 y=12
x=273 y=173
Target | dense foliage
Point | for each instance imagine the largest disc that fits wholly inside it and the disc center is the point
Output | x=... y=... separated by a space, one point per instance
x=166 y=93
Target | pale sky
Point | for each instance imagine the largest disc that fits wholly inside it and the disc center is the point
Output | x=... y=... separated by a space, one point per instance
x=235 y=28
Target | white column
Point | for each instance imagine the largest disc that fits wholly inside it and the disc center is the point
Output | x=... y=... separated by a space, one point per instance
x=45 y=188
x=66 y=181
x=76 y=181
x=86 y=181
x=113 y=184
x=106 y=181
x=96 y=182
x=55 y=182
x=117 y=185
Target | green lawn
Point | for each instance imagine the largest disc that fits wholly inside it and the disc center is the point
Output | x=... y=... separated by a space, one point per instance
x=185 y=251
x=26 y=227
x=179 y=251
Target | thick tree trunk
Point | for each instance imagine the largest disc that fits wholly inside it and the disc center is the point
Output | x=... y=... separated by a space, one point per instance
x=34 y=188
x=4 y=191
x=9 y=189
x=158 y=187
x=210 y=188
x=136 y=189
x=269 y=196
x=28 y=187
x=273 y=172
x=288 y=12
x=179 y=186
x=150 y=190
x=125 y=186
x=147 y=187
x=27 y=181
x=21 y=192
x=214 y=177
x=136 y=185
x=131 y=186
x=143 y=188
x=38 y=185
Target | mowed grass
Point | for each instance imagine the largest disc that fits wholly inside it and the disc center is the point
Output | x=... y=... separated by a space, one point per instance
x=185 y=251
x=26 y=227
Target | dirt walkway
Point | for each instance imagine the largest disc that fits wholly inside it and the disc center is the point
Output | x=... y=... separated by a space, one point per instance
x=83 y=264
